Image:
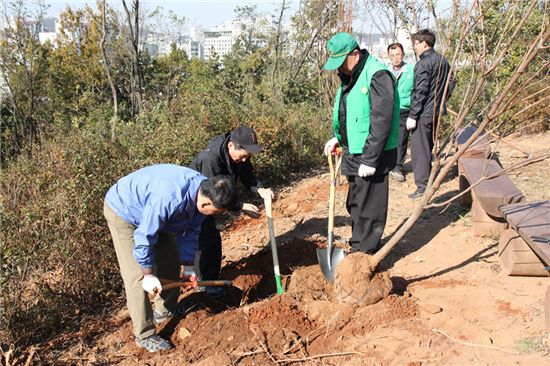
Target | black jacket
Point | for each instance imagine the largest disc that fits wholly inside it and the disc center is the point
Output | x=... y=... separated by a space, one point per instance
x=430 y=76
x=381 y=96
x=215 y=160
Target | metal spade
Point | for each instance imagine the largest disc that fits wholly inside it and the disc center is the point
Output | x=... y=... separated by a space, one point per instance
x=329 y=257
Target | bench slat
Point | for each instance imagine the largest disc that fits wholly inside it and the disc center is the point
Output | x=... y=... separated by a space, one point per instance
x=480 y=148
x=492 y=193
x=531 y=219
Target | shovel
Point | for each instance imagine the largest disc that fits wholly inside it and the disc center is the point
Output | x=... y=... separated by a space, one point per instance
x=169 y=284
x=269 y=214
x=327 y=257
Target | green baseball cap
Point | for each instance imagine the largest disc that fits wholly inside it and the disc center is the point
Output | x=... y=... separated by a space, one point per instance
x=338 y=48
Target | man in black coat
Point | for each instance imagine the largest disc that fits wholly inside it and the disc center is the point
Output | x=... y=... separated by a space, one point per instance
x=228 y=154
x=428 y=98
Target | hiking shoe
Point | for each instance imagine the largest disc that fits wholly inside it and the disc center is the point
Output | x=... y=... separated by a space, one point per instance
x=416 y=195
x=153 y=343
x=160 y=317
x=215 y=292
x=397 y=175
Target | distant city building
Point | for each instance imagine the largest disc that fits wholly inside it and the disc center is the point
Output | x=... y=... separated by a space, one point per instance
x=48 y=30
x=196 y=33
x=377 y=44
x=193 y=49
x=220 y=40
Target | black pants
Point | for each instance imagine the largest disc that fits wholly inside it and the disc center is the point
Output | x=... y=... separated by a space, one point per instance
x=210 y=245
x=403 y=140
x=367 y=204
x=422 y=143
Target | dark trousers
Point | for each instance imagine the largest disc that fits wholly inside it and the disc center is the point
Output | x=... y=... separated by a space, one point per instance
x=210 y=246
x=422 y=144
x=403 y=140
x=367 y=204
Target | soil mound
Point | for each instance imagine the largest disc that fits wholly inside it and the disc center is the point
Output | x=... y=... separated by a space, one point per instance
x=355 y=283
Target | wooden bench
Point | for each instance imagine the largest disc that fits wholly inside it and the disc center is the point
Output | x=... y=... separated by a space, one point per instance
x=529 y=223
x=480 y=149
x=517 y=258
x=486 y=197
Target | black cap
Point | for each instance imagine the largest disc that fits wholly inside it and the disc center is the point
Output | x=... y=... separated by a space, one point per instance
x=246 y=138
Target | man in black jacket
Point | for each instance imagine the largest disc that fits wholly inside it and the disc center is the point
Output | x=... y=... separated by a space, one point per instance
x=428 y=99
x=228 y=154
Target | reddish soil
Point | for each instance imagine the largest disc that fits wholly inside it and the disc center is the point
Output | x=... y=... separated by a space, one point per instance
x=449 y=302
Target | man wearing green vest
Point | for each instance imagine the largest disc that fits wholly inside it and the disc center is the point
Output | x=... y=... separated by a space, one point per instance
x=366 y=126
x=404 y=74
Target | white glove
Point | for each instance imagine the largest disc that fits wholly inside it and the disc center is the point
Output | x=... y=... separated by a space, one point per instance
x=330 y=146
x=411 y=124
x=365 y=171
x=265 y=193
x=150 y=283
x=251 y=210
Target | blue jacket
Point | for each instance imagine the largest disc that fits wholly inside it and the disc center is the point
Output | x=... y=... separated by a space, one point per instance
x=159 y=198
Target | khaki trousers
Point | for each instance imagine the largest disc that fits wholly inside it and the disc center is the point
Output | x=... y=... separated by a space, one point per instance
x=167 y=267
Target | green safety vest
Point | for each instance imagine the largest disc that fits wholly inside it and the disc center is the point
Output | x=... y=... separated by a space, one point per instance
x=358 y=110
x=405 y=85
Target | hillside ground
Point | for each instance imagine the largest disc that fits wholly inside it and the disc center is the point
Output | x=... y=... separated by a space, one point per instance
x=451 y=304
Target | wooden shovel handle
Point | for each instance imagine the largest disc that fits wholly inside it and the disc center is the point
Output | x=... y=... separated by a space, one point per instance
x=168 y=284
x=334 y=171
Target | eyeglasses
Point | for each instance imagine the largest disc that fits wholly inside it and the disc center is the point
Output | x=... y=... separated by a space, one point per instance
x=416 y=43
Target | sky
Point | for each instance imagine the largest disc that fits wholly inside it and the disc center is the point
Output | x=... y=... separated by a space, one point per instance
x=210 y=13
x=207 y=13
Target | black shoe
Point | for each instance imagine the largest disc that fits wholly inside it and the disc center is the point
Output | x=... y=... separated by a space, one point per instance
x=215 y=292
x=416 y=194
x=181 y=311
x=397 y=175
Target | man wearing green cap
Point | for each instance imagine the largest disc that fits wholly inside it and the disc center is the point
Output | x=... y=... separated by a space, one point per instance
x=366 y=126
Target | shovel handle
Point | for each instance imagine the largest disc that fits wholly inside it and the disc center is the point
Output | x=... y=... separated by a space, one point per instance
x=168 y=284
x=335 y=166
x=269 y=214
x=332 y=198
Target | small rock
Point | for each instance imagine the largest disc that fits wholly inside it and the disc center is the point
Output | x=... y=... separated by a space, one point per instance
x=431 y=309
x=292 y=206
x=184 y=333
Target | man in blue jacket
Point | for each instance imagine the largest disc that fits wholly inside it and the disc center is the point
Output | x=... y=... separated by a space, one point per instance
x=145 y=210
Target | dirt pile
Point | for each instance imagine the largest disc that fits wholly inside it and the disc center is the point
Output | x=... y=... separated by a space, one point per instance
x=355 y=284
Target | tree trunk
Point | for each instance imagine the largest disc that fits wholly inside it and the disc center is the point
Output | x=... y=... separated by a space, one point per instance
x=136 y=83
x=108 y=72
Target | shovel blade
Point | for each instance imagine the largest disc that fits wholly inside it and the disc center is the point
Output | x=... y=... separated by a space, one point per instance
x=328 y=266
